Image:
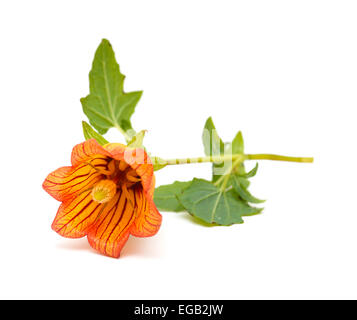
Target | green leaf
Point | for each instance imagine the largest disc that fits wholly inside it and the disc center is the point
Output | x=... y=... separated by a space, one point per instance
x=243 y=192
x=243 y=181
x=252 y=172
x=243 y=177
x=165 y=197
x=237 y=147
x=238 y=144
x=209 y=203
x=90 y=133
x=108 y=105
x=213 y=146
x=137 y=140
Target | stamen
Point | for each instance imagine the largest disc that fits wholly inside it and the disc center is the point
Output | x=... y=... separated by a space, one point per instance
x=128 y=195
x=105 y=172
x=132 y=176
x=122 y=165
x=104 y=191
x=102 y=171
x=111 y=166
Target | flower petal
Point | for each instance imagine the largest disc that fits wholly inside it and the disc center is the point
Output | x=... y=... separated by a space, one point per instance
x=75 y=216
x=87 y=150
x=148 y=220
x=66 y=182
x=112 y=229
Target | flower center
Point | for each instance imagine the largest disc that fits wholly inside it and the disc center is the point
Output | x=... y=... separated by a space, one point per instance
x=104 y=191
x=121 y=173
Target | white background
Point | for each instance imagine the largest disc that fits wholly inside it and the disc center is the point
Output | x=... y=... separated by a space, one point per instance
x=283 y=72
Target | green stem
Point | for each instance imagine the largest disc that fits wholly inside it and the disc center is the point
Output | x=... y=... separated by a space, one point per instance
x=277 y=158
x=201 y=159
x=241 y=157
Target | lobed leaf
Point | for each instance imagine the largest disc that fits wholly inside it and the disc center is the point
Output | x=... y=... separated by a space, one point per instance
x=108 y=105
x=165 y=197
x=215 y=206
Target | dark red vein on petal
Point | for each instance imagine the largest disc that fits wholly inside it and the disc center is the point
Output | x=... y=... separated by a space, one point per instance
x=125 y=228
x=74 y=209
x=89 y=215
x=111 y=218
x=85 y=185
x=121 y=217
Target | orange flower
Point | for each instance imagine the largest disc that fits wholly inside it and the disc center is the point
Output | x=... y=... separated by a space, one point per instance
x=107 y=195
